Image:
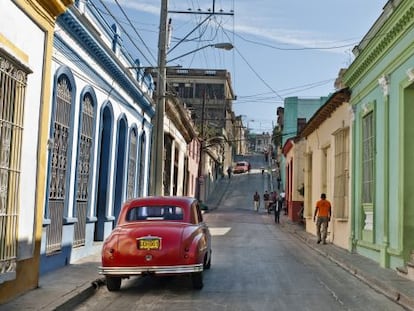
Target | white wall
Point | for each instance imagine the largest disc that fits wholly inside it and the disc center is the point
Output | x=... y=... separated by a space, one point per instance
x=12 y=22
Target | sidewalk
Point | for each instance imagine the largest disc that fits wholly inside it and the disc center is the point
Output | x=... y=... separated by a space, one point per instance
x=214 y=199
x=65 y=288
x=384 y=281
x=61 y=289
x=69 y=286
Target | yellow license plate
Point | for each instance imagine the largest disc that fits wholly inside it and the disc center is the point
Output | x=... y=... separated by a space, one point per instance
x=148 y=244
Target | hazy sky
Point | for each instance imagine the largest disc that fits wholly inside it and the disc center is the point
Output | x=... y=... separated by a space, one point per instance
x=282 y=48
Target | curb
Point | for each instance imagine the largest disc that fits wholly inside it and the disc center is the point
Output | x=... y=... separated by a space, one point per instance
x=77 y=296
x=215 y=203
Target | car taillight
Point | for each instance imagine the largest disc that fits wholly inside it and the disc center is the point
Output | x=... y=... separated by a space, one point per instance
x=111 y=251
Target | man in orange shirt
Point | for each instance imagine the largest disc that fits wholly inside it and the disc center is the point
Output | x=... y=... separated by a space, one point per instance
x=323 y=210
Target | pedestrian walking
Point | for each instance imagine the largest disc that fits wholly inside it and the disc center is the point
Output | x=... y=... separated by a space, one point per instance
x=229 y=171
x=266 y=199
x=273 y=196
x=256 y=201
x=323 y=212
x=277 y=206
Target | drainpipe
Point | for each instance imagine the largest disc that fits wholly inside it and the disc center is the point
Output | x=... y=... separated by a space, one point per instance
x=384 y=258
x=352 y=240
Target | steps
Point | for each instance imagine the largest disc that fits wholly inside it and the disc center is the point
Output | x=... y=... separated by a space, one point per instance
x=408 y=270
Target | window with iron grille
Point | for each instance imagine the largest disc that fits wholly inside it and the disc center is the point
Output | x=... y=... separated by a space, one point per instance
x=132 y=164
x=368 y=137
x=141 y=165
x=13 y=81
x=83 y=173
x=59 y=162
x=341 y=186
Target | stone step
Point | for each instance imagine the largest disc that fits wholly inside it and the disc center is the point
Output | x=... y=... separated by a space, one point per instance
x=407 y=271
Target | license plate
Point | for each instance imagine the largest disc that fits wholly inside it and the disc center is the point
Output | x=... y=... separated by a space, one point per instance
x=149 y=243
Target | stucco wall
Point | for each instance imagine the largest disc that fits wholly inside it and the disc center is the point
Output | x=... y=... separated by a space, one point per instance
x=319 y=143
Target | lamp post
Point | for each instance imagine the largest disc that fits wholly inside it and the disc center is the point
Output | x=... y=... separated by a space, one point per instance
x=223 y=46
x=157 y=163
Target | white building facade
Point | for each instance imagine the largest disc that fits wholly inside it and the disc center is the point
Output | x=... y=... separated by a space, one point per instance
x=99 y=136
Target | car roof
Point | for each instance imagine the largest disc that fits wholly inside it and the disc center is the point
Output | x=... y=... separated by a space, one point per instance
x=160 y=200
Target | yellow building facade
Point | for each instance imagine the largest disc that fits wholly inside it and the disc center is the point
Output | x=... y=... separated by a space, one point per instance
x=327 y=165
x=25 y=79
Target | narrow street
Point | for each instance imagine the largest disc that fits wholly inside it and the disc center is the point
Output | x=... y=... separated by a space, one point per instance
x=257 y=265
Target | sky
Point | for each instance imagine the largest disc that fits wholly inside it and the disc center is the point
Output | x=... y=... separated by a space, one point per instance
x=281 y=48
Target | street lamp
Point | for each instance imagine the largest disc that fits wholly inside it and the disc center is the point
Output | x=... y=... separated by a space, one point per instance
x=223 y=46
x=157 y=163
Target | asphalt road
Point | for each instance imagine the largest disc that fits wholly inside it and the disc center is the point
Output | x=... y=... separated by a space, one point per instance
x=257 y=265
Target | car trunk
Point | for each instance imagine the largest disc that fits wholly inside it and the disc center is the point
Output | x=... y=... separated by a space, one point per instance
x=160 y=244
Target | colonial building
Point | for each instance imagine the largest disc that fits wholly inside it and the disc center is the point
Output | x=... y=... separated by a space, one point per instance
x=294 y=155
x=26 y=44
x=263 y=142
x=182 y=149
x=291 y=119
x=382 y=82
x=240 y=136
x=99 y=136
x=325 y=166
x=208 y=94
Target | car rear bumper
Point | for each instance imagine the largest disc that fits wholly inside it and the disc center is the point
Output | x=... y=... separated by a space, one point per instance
x=155 y=270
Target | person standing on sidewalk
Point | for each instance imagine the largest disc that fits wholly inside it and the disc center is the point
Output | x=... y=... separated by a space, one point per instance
x=323 y=211
x=256 y=201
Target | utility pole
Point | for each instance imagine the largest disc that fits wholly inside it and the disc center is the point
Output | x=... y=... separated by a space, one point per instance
x=157 y=163
x=157 y=157
x=200 y=177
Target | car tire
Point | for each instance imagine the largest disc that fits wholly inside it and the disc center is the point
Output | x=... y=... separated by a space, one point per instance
x=197 y=280
x=207 y=261
x=113 y=284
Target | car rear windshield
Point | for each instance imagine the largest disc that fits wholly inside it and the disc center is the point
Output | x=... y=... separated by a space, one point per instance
x=155 y=213
x=241 y=164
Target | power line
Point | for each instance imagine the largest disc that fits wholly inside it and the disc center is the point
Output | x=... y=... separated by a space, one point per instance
x=134 y=29
x=123 y=29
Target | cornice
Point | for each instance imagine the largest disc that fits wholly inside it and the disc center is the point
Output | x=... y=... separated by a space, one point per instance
x=104 y=57
x=176 y=114
x=377 y=48
x=45 y=10
x=55 y=7
x=336 y=100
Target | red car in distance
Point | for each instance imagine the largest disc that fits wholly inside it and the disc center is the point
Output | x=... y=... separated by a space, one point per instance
x=241 y=167
x=157 y=236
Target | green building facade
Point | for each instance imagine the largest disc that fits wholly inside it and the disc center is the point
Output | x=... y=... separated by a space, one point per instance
x=381 y=79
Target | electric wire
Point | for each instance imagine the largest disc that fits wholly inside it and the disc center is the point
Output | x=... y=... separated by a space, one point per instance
x=126 y=33
x=135 y=30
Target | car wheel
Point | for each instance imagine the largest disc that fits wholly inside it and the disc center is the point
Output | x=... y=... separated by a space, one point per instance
x=197 y=280
x=207 y=261
x=113 y=284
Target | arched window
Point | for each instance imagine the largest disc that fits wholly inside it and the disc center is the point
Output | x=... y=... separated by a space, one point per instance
x=83 y=169
x=59 y=162
x=141 y=184
x=13 y=79
x=132 y=163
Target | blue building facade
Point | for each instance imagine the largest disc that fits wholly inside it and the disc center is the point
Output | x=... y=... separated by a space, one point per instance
x=99 y=136
x=297 y=111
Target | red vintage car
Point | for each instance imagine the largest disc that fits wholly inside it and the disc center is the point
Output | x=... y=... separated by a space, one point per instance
x=241 y=167
x=157 y=236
